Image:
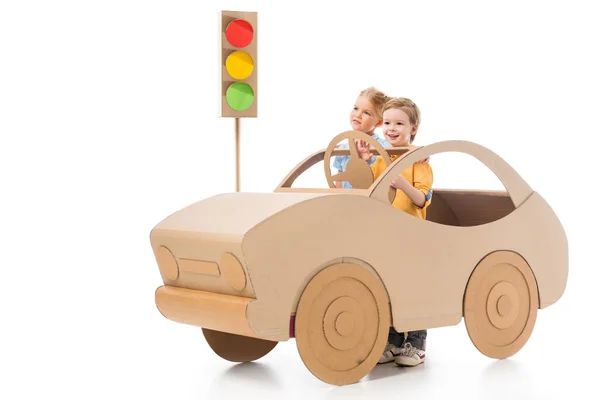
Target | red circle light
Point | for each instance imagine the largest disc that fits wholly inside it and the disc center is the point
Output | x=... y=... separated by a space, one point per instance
x=239 y=33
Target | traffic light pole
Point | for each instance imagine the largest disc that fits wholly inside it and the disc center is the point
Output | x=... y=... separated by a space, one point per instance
x=239 y=76
x=237 y=154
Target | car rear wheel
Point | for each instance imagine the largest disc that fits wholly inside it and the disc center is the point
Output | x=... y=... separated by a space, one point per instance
x=342 y=323
x=237 y=348
x=500 y=304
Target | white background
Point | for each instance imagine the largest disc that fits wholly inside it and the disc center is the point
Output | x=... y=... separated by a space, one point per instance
x=109 y=123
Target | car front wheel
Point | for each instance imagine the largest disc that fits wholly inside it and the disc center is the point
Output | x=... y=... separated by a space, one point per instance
x=342 y=323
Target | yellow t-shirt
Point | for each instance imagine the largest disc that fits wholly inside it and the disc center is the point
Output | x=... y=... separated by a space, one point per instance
x=421 y=177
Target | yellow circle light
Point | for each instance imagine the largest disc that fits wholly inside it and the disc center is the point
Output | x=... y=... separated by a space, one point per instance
x=239 y=65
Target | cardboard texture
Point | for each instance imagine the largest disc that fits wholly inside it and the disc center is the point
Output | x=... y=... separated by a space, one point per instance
x=501 y=303
x=358 y=172
x=492 y=257
x=342 y=323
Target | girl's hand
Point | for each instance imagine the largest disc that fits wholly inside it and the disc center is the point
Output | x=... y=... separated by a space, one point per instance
x=364 y=150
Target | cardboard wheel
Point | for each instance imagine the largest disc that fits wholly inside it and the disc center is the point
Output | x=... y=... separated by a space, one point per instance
x=237 y=348
x=342 y=323
x=500 y=304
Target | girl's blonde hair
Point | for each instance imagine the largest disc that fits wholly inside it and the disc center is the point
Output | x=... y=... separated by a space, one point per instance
x=377 y=98
x=409 y=107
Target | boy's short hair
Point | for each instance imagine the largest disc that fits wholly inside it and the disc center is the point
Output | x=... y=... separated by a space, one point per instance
x=409 y=107
x=377 y=98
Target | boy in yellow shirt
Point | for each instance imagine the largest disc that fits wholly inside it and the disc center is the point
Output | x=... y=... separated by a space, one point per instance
x=401 y=119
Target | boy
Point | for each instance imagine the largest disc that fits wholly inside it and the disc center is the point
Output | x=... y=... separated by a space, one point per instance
x=401 y=119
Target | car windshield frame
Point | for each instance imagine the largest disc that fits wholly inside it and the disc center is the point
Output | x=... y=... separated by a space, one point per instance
x=286 y=184
x=517 y=188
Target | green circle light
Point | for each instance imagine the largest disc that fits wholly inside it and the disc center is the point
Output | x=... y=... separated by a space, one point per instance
x=239 y=96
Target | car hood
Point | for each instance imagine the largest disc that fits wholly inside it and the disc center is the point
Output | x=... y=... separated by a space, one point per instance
x=227 y=217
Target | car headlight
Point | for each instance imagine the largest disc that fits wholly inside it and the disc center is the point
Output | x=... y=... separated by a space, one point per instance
x=167 y=263
x=233 y=271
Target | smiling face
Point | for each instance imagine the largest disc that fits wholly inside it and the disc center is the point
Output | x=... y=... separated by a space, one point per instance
x=397 y=127
x=363 y=116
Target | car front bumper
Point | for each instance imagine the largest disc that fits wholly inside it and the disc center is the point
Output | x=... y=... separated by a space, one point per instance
x=219 y=312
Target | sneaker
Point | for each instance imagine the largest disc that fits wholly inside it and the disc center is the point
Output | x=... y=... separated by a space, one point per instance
x=389 y=354
x=410 y=356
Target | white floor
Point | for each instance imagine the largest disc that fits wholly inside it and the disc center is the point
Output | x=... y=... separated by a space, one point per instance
x=547 y=367
x=131 y=351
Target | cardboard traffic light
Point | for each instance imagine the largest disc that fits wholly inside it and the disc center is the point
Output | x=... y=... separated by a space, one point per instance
x=239 y=64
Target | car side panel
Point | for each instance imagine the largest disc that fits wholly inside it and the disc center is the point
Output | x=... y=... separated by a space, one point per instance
x=424 y=266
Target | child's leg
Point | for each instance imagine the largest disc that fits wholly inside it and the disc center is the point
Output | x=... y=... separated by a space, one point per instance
x=413 y=350
x=417 y=339
x=395 y=338
x=394 y=346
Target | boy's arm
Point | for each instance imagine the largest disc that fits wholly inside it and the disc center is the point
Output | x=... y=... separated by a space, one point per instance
x=420 y=193
x=415 y=195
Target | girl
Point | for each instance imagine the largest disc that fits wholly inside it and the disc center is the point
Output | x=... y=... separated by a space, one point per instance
x=366 y=116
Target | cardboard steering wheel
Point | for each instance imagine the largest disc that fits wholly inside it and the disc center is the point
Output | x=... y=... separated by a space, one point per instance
x=358 y=171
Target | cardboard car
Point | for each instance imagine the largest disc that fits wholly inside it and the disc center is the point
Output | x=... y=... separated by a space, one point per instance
x=327 y=266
